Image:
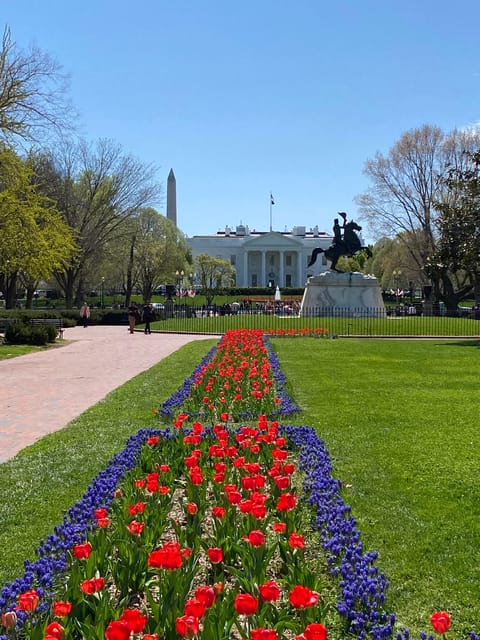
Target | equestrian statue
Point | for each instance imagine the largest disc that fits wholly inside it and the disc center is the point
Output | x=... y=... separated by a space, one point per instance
x=346 y=244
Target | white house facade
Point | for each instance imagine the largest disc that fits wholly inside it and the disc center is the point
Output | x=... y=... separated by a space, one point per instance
x=266 y=258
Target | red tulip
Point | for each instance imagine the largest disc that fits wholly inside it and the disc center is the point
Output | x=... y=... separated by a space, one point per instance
x=245 y=604
x=92 y=586
x=296 y=541
x=103 y=522
x=135 y=527
x=206 y=595
x=117 y=630
x=256 y=538
x=135 y=620
x=259 y=511
x=263 y=634
x=301 y=597
x=55 y=630
x=440 y=621
x=28 y=601
x=269 y=591
x=187 y=626
x=139 y=507
x=315 y=631
x=195 y=608
x=282 y=482
x=82 y=551
x=215 y=554
x=61 y=609
x=167 y=557
x=192 y=508
x=286 y=502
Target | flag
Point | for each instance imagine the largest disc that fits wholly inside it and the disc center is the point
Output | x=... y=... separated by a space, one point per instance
x=272 y=201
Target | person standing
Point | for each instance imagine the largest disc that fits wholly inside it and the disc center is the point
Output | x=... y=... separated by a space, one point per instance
x=133 y=316
x=85 y=314
x=148 y=316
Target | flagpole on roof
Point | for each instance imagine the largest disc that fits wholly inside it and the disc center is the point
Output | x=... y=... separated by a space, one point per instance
x=272 y=202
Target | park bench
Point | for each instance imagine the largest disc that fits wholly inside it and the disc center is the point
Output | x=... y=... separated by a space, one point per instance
x=55 y=322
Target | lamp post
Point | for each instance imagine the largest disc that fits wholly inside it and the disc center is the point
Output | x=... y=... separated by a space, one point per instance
x=102 y=289
x=396 y=273
x=179 y=275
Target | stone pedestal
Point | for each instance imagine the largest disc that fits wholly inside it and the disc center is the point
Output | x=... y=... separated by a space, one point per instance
x=342 y=294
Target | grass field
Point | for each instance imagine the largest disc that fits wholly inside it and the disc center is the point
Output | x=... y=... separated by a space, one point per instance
x=398 y=417
x=14 y=350
x=344 y=326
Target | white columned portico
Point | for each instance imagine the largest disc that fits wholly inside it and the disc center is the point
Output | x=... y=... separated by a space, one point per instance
x=263 y=281
x=245 y=270
x=281 y=273
x=300 y=277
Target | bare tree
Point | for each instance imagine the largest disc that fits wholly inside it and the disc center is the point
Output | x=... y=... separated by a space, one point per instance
x=406 y=184
x=33 y=93
x=97 y=188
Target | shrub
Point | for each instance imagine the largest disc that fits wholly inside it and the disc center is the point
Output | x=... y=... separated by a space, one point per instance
x=24 y=334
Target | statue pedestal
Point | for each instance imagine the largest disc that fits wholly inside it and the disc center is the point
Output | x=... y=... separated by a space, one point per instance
x=342 y=294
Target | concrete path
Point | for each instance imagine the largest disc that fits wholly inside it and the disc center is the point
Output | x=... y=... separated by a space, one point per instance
x=42 y=392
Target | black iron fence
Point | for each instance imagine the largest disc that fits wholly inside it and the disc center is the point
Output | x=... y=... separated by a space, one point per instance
x=325 y=321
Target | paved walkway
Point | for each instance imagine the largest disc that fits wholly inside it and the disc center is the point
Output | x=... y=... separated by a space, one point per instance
x=42 y=392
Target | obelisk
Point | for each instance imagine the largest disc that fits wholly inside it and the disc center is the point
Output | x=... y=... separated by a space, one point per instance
x=172 y=197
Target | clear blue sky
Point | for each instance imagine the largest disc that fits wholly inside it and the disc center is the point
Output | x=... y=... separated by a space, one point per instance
x=245 y=97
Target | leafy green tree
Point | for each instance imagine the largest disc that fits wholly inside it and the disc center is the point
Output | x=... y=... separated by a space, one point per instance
x=34 y=238
x=159 y=248
x=214 y=274
x=458 y=248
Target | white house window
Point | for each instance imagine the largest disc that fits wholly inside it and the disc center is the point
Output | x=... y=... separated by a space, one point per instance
x=288 y=260
x=233 y=259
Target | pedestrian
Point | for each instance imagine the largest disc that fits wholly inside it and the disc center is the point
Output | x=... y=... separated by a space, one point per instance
x=133 y=316
x=148 y=316
x=85 y=314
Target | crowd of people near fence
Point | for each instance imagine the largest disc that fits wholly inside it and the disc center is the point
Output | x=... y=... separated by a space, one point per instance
x=247 y=306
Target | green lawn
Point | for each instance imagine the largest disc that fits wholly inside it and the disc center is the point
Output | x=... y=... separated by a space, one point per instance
x=346 y=326
x=14 y=350
x=398 y=417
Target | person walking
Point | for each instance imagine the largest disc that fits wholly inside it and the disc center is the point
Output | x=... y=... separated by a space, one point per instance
x=85 y=314
x=148 y=316
x=133 y=316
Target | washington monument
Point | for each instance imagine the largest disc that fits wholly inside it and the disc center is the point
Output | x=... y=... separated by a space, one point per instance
x=172 y=197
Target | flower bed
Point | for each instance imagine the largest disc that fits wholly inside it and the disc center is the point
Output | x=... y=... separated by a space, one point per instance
x=202 y=529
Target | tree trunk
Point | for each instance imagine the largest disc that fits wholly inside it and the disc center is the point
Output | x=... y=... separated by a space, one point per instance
x=476 y=288
x=10 y=290
x=29 y=300
x=129 y=276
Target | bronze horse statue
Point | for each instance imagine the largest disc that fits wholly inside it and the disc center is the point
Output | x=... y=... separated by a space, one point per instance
x=348 y=246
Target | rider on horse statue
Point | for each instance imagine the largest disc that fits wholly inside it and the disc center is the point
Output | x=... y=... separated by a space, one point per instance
x=346 y=244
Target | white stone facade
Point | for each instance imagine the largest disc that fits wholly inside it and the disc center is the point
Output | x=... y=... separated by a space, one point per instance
x=268 y=258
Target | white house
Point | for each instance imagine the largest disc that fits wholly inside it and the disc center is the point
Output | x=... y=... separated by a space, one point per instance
x=266 y=258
